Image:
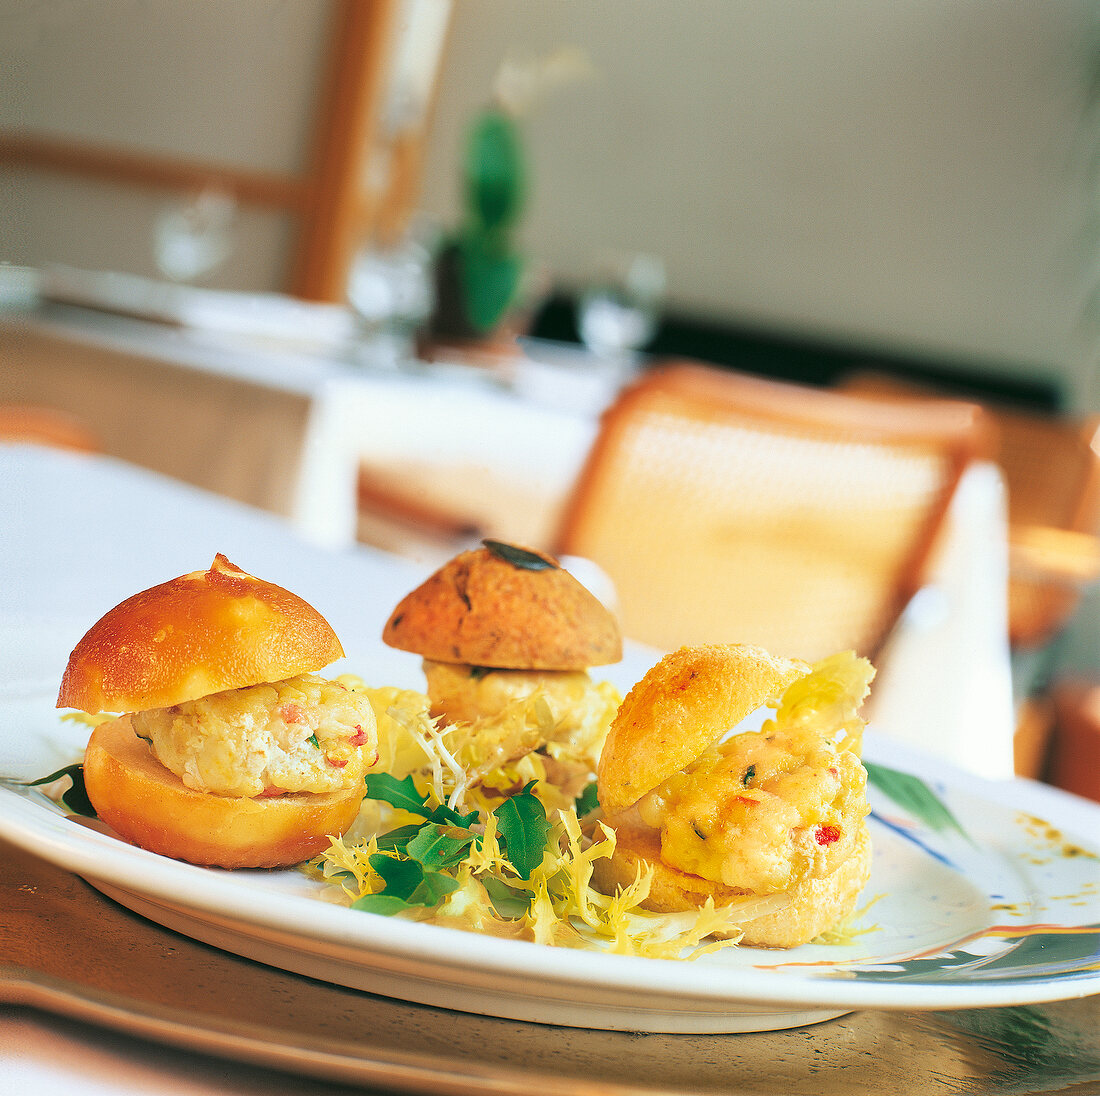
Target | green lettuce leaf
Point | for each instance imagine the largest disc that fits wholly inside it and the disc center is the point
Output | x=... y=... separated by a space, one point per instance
x=397 y=840
x=438 y=847
x=75 y=797
x=914 y=796
x=507 y=901
x=401 y=794
x=384 y=904
x=523 y=827
x=408 y=881
x=587 y=801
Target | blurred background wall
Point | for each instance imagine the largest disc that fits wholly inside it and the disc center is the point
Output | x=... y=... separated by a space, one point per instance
x=913 y=177
x=908 y=175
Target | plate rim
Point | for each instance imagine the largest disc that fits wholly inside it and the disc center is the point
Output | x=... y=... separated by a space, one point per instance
x=103 y=858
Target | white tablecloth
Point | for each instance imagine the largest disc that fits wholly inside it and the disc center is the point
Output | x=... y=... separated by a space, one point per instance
x=944 y=682
x=286 y=429
x=81 y=533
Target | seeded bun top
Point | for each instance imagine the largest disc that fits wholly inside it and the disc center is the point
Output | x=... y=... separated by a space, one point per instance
x=508 y=608
x=682 y=706
x=197 y=634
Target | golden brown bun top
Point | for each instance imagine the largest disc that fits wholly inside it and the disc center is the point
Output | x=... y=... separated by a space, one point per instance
x=508 y=608
x=198 y=634
x=683 y=705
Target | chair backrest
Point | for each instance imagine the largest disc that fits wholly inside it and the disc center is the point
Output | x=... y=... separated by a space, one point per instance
x=728 y=508
x=1051 y=468
x=22 y=422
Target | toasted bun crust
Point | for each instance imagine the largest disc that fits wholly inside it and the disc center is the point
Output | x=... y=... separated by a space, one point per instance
x=195 y=635
x=147 y=804
x=480 y=608
x=816 y=904
x=682 y=706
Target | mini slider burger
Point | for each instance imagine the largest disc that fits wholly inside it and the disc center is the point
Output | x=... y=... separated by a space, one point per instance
x=499 y=626
x=229 y=750
x=776 y=813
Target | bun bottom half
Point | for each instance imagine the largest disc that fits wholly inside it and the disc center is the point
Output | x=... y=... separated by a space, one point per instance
x=816 y=904
x=148 y=805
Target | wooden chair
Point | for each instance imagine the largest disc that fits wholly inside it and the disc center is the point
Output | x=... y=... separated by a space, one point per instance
x=1051 y=467
x=727 y=508
x=20 y=422
x=1074 y=760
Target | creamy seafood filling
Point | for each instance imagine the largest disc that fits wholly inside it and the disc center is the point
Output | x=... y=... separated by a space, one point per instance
x=304 y=734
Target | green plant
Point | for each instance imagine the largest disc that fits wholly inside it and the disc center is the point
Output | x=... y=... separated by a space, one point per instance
x=488 y=266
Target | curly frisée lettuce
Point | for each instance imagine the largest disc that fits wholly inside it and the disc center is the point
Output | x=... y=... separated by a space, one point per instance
x=445 y=838
x=514 y=873
x=826 y=702
x=484 y=762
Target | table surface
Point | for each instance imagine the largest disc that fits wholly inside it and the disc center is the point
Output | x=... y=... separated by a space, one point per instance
x=96 y=999
x=504 y=434
x=165 y=1014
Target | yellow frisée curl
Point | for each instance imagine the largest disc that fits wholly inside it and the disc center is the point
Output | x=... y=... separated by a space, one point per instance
x=826 y=702
x=487 y=858
x=348 y=867
x=87 y=718
x=472 y=770
x=477 y=765
x=557 y=905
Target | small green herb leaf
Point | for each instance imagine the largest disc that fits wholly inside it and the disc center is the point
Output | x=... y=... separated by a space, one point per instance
x=398 y=793
x=445 y=816
x=385 y=904
x=408 y=881
x=401 y=877
x=519 y=557
x=434 y=887
x=439 y=846
x=74 y=797
x=750 y=774
x=403 y=795
x=312 y=740
x=506 y=901
x=588 y=800
x=397 y=840
x=522 y=823
x=913 y=795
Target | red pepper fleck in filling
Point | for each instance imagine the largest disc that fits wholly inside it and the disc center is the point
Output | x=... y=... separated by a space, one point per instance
x=826 y=835
x=336 y=763
x=292 y=713
x=359 y=737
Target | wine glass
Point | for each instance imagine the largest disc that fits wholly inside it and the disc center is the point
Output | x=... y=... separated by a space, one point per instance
x=390 y=289
x=194 y=235
x=618 y=314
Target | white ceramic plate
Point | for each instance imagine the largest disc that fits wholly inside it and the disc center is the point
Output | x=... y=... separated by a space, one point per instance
x=1008 y=913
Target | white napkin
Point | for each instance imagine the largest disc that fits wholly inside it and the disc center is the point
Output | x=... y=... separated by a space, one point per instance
x=944 y=680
